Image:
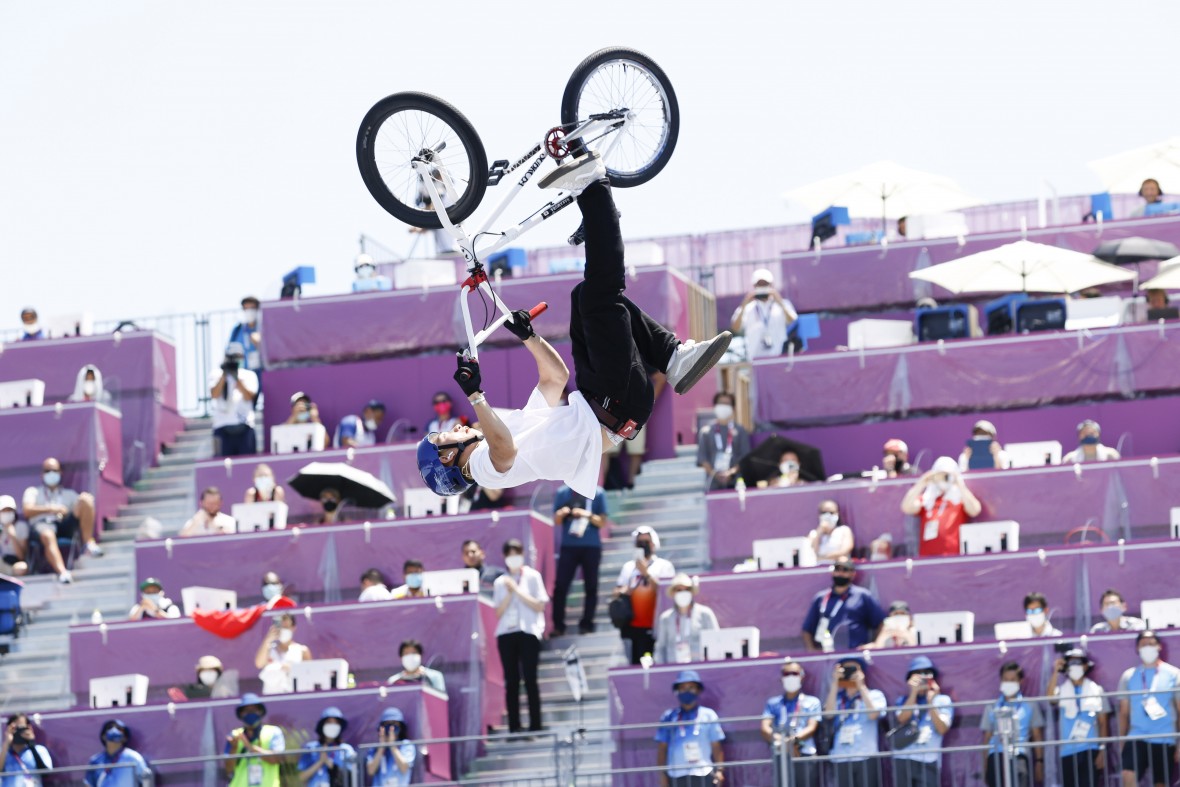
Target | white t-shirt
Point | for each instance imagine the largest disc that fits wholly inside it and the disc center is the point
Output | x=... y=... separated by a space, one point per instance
x=375 y=593
x=764 y=325
x=520 y=616
x=234 y=410
x=562 y=443
x=7 y=547
x=656 y=567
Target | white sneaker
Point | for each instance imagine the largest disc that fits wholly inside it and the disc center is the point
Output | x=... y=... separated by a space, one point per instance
x=94 y=550
x=692 y=360
x=65 y=578
x=574 y=176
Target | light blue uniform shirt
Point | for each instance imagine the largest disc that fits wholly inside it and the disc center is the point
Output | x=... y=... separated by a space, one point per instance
x=1027 y=715
x=1077 y=715
x=388 y=774
x=14 y=767
x=133 y=769
x=928 y=737
x=856 y=734
x=1161 y=684
x=344 y=758
x=791 y=716
x=690 y=743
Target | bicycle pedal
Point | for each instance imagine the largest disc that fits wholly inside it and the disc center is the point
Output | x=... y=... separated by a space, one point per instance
x=497 y=171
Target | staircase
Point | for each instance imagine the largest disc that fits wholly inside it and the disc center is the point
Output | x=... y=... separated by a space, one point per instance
x=668 y=496
x=35 y=675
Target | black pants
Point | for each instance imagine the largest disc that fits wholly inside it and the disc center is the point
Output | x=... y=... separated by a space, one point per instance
x=236 y=440
x=861 y=773
x=1079 y=770
x=691 y=781
x=995 y=770
x=912 y=773
x=568 y=562
x=804 y=771
x=1138 y=756
x=612 y=337
x=642 y=641
x=520 y=654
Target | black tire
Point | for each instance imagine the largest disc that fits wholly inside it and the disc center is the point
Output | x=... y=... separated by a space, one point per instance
x=619 y=78
x=394 y=131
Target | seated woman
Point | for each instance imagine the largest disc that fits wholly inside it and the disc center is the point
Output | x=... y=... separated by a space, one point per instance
x=678 y=630
x=897 y=631
x=265 y=490
x=831 y=540
x=304 y=411
x=88 y=387
x=788 y=470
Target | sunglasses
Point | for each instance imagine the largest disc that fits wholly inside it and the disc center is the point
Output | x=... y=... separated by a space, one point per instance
x=800 y=674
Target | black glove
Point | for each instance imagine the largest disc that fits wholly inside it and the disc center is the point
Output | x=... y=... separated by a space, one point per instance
x=521 y=325
x=467 y=375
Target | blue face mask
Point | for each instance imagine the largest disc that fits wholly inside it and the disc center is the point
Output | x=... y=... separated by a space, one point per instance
x=687 y=697
x=413 y=581
x=1089 y=440
x=113 y=735
x=271 y=590
x=251 y=719
x=51 y=478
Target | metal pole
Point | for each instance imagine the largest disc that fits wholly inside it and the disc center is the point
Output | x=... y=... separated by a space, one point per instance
x=1005 y=725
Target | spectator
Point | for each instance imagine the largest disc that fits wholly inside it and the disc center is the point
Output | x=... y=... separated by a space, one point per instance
x=1036 y=610
x=897 y=630
x=367 y=278
x=14 y=540
x=264 y=742
x=54 y=512
x=414 y=577
x=895 y=460
x=88 y=387
x=690 y=750
x=844 y=604
x=1029 y=724
x=360 y=431
x=330 y=759
x=22 y=753
x=373 y=587
x=248 y=334
x=763 y=315
x=232 y=391
x=581 y=522
x=788 y=470
x=1114 y=613
x=722 y=444
x=474 y=557
x=1157 y=298
x=392 y=763
x=265 y=490
x=485 y=498
x=901 y=227
x=928 y=714
x=410 y=653
x=330 y=500
x=1151 y=193
x=30 y=327
x=444 y=419
x=791 y=719
x=983 y=435
x=209 y=520
x=305 y=411
x=1082 y=713
x=1090 y=447
x=942 y=502
x=678 y=634
x=640 y=579
x=520 y=598
x=274 y=592
x=857 y=710
x=277 y=653
x=117 y=765
x=831 y=540
x=1151 y=711
x=213 y=681
x=153 y=604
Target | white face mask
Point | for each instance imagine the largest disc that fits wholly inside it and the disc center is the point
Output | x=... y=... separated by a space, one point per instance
x=207 y=677
x=514 y=562
x=286 y=635
x=1036 y=619
x=7 y=517
x=89 y=387
x=829 y=518
x=264 y=484
x=365 y=271
x=32 y=327
x=792 y=683
x=331 y=730
x=411 y=662
x=1009 y=688
x=1149 y=653
x=683 y=598
x=787 y=468
x=249 y=316
x=723 y=411
x=897 y=622
x=371 y=424
x=271 y=590
x=1076 y=671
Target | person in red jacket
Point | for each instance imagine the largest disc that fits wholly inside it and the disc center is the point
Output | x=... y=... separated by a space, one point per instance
x=942 y=502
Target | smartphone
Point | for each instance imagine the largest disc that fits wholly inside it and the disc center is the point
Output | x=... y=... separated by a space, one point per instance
x=1063 y=647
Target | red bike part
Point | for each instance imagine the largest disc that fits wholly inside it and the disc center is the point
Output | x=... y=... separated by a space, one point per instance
x=555 y=144
x=476 y=278
x=537 y=310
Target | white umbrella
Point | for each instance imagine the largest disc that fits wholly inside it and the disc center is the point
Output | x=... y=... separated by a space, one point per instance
x=1023 y=266
x=1124 y=173
x=1167 y=279
x=884 y=189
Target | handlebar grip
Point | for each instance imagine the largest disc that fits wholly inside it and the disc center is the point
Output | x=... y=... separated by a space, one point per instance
x=537 y=310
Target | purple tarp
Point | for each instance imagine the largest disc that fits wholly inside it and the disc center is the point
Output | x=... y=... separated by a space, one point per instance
x=1125 y=499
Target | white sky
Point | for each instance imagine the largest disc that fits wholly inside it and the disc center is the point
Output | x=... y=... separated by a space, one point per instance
x=163 y=156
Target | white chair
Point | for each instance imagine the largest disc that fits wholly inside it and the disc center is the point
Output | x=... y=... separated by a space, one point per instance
x=118 y=691
x=197 y=597
x=319 y=675
x=56 y=326
x=22 y=393
x=252 y=517
x=738 y=642
x=1038 y=454
x=423 y=502
x=1161 y=613
x=981 y=538
x=297 y=438
x=1013 y=629
x=935 y=628
x=451 y=581
x=784 y=553
x=1176 y=522
x=868 y=334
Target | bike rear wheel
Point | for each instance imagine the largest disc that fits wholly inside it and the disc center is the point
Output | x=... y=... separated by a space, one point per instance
x=615 y=79
x=407 y=125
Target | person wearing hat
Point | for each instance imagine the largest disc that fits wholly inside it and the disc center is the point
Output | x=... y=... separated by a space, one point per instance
x=360 y=431
x=367 y=278
x=213 y=682
x=895 y=458
x=520 y=598
x=22 y=753
x=117 y=765
x=1090 y=447
x=153 y=604
x=678 y=631
x=689 y=749
x=30 y=327
x=844 y=606
x=1029 y=725
x=262 y=743
x=248 y=334
x=14 y=539
x=327 y=759
x=983 y=451
x=392 y=763
x=305 y=411
x=831 y=539
x=942 y=502
x=209 y=520
x=926 y=713
x=1150 y=710
x=897 y=630
x=792 y=717
x=763 y=315
x=640 y=579
x=1083 y=711
x=233 y=389
x=856 y=712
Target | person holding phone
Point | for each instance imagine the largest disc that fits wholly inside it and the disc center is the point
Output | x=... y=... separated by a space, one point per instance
x=763 y=315
x=640 y=579
x=856 y=711
x=277 y=653
x=983 y=451
x=942 y=502
x=22 y=753
x=925 y=717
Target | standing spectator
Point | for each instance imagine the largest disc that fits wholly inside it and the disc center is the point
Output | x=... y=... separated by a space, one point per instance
x=1114 y=613
x=413 y=586
x=474 y=557
x=722 y=444
x=14 y=540
x=1036 y=611
x=373 y=587
x=277 y=653
x=844 y=604
x=54 y=512
x=930 y=713
x=265 y=490
x=444 y=418
x=1082 y=713
x=392 y=763
x=895 y=459
x=88 y=386
x=247 y=333
x=320 y=767
x=983 y=432
x=520 y=598
x=857 y=710
x=30 y=326
x=117 y=765
x=1090 y=447
x=1151 y=711
x=1151 y=193
x=360 y=431
x=153 y=604
x=209 y=520
x=640 y=579
x=232 y=391
x=305 y=411
x=263 y=742
x=678 y=633
x=831 y=540
x=791 y=719
x=22 y=753
x=897 y=630
x=1029 y=725
x=412 y=670
x=581 y=522
x=942 y=502
x=763 y=315
x=690 y=751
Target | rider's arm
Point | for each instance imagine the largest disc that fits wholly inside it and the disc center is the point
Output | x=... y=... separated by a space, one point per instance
x=552 y=373
x=501 y=446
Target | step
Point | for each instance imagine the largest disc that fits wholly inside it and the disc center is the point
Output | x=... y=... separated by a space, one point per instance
x=155 y=507
x=32 y=698
x=658 y=518
x=161 y=494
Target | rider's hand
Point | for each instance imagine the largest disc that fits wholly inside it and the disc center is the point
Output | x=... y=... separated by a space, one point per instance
x=521 y=325
x=467 y=375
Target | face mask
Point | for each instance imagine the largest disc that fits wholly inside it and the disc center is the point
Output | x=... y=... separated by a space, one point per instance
x=1149 y=653
x=686 y=697
x=303 y=416
x=1009 y=688
x=251 y=719
x=207 y=677
x=264 y=484
x=514 y=562
x=370 y=424
x=271 y=590
x=330 y=504
x=841 y=581
x=1036 y=619
x=411 y=662
x=1112 y=613
x=32 y=328
x=1076 y=671
x=897 y=622
x=365 y=271
x=413 y=581
x=155 y=598
x=113 y=735
x=331 y=730
x=683 y=598
x=723 y=411
x=1091 y=440
x=792 y=683
x=51 y=478
x=7 y=517
x=442 y=409
x=829 y=518
x=249 y=316
x=787 y=468
x=286 y=635
x=89 y=387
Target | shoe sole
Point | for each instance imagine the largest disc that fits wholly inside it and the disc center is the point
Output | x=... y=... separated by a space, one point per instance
x=705 y=363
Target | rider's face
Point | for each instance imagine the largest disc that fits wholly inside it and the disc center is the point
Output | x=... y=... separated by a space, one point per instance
x=459 y=434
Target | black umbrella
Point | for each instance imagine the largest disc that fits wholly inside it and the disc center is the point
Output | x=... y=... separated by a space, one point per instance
x=1125 y=250
x=761 y=464
x=363 y=489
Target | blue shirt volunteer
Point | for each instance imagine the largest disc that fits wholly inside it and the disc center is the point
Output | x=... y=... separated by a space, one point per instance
x=792 y=715
x=1027 y=716
x=1077 y=716
x=131 y=770
x=928 y=736
x=857 y=609
x=1153 y=712
x=591 y=537
x=343 y=757
x=16 y=767
x=690 y=743
x=855 y=733
x=388 y=774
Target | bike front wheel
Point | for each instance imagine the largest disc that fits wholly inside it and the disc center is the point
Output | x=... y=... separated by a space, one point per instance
x=405 y=126
x=618 y=80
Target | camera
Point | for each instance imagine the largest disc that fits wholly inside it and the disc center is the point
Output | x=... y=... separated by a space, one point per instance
x=230 y=367
x=1062 y=647
x=19 y=732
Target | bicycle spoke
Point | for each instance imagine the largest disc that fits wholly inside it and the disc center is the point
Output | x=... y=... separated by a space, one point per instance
x=627 y=85
x=402 y=137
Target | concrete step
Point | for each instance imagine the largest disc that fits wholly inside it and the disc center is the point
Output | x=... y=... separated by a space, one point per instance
x=155 y=508
x=658 y=518
x=36 y=699
x=160 y=494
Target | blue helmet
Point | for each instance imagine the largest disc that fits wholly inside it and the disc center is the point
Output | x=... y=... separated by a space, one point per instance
x=442 y=480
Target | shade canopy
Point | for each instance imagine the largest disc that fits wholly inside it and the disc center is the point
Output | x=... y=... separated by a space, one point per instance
x=1023 y=266
x=362 y=488
x=1124 y=173
x=884 y=189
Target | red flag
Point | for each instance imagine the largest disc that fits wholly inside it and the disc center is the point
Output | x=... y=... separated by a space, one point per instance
x=228 y=623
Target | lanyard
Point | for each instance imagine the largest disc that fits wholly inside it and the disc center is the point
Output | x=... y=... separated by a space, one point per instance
x=764 y=314
x=789 y=708
x=723 y=445
x=835 y=610
x=696 y=724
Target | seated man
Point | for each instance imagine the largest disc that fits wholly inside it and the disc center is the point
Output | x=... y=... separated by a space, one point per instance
x=153 y=604
x=304 y=411
x=14 y=540
x=360 y=431
x=722 y=444
x=210 y=519
x=55 y=512
x=474 y=557
x=413 y=588
x=612 y=339
x=30 y=327
x=373 y=587
x=410 y=653
x=1090 y=447
x=1114 y=614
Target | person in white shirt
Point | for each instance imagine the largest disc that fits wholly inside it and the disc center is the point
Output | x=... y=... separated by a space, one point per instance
x=373 y=586
x=519 y=597
x=232 y=390
x=764 y=316
x=1090 y=447
x=153 y=604
x=88 y=386
x=831 y=540
x=277 y=653
x=210 y=519
x=678 y=631
x=1036 y=611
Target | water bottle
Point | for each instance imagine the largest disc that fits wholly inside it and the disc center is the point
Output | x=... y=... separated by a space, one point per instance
x=95 y=617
